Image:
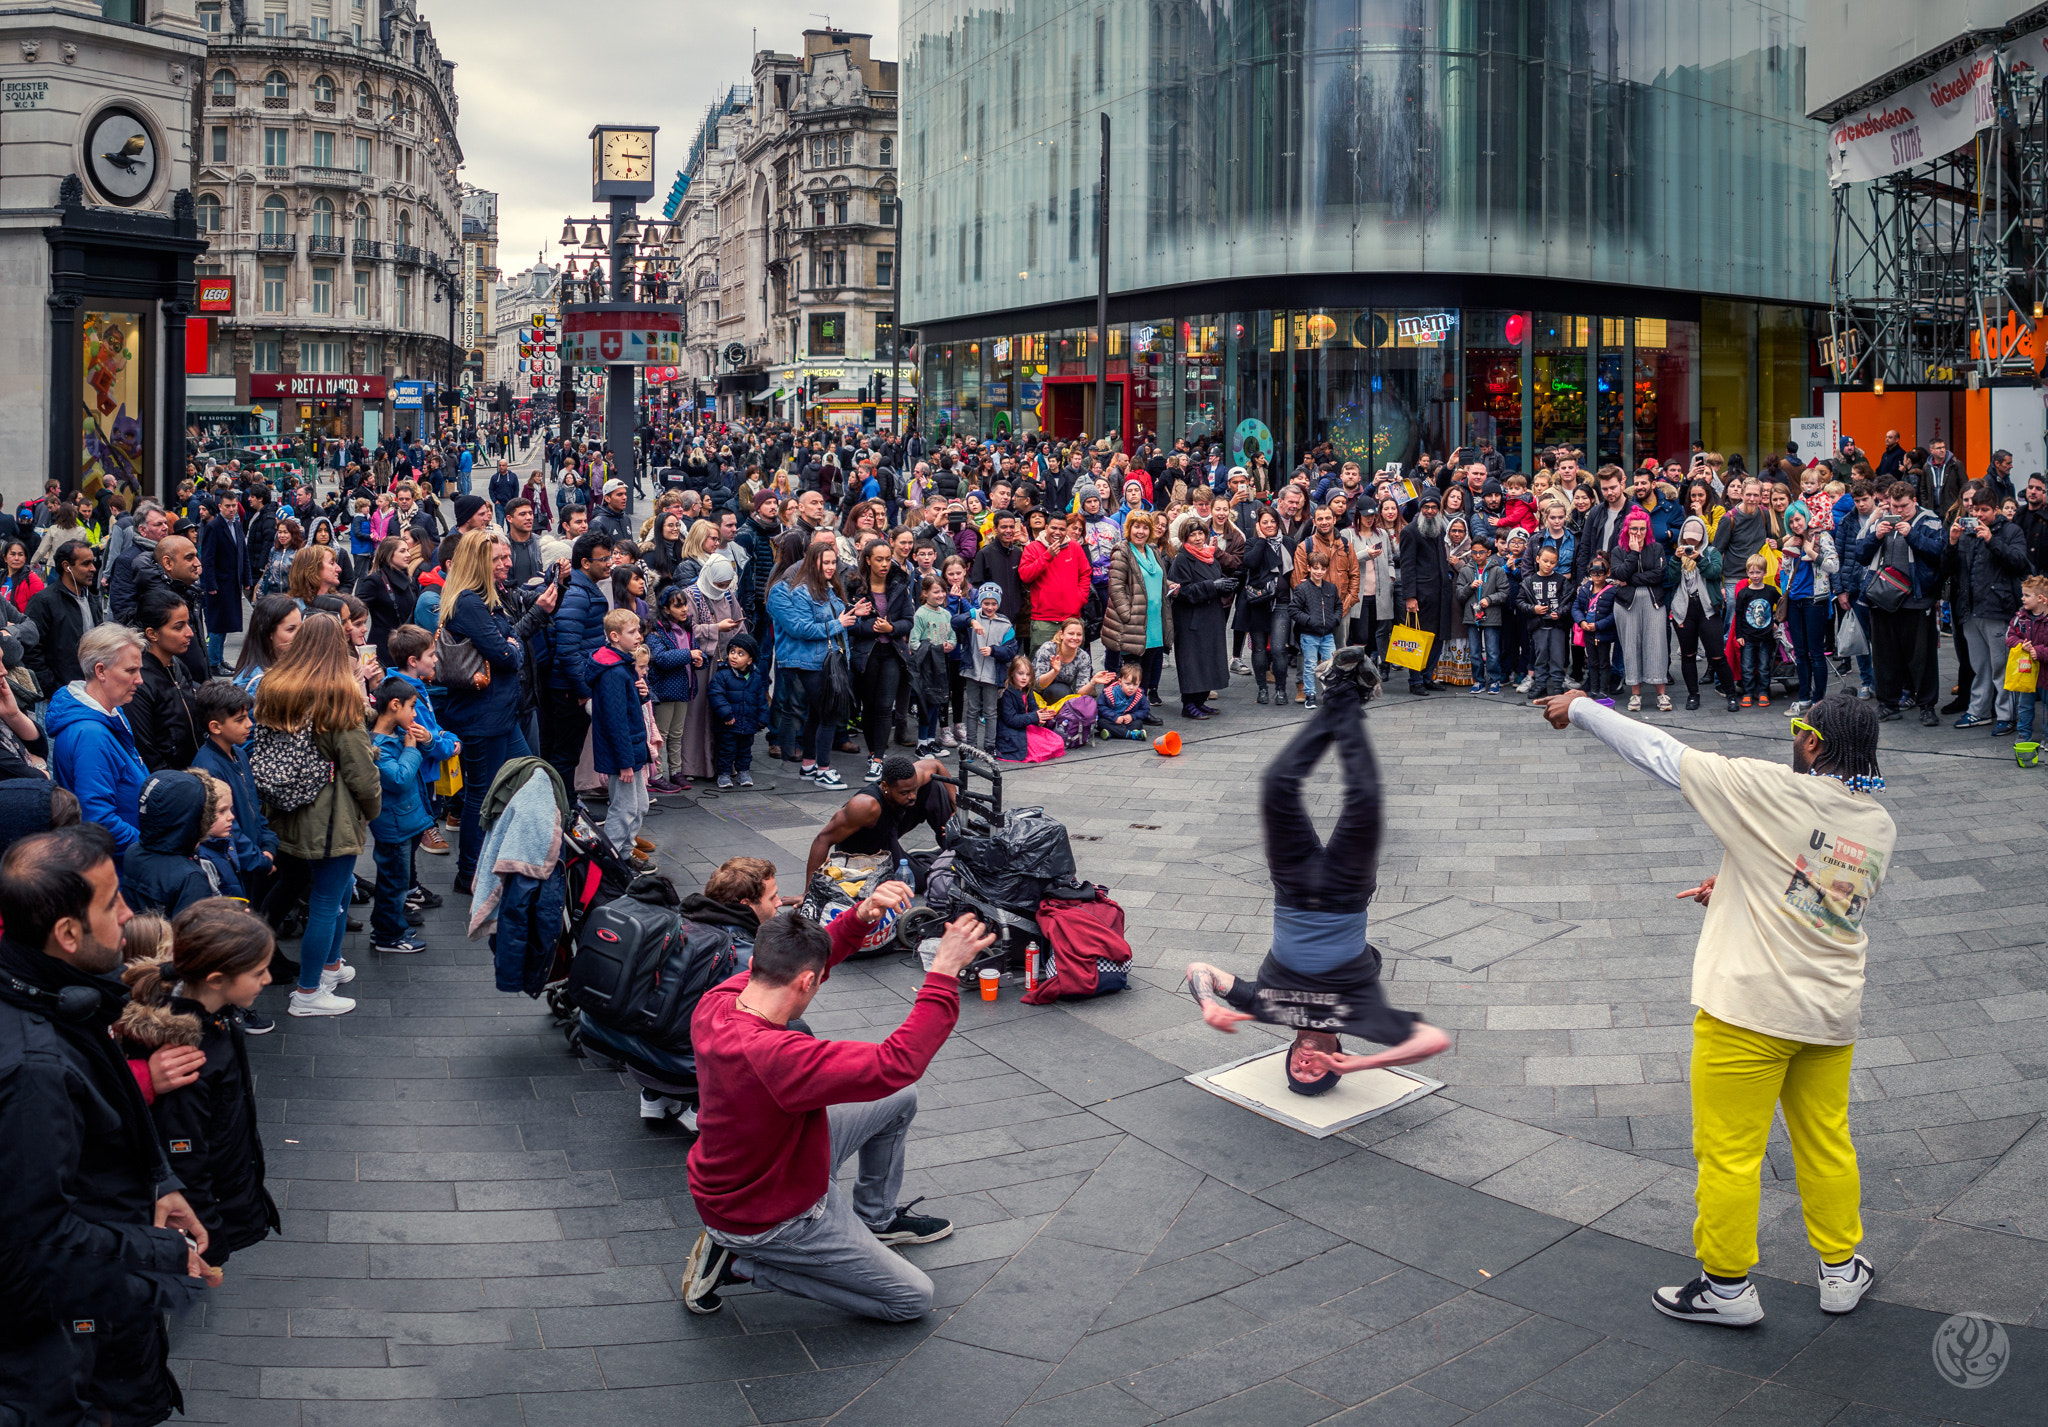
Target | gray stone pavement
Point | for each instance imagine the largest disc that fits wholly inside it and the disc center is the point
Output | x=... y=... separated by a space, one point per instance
x=478 y=1230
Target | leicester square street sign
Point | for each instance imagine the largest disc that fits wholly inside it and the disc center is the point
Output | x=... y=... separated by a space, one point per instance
x=618 y=335
x=321 y=386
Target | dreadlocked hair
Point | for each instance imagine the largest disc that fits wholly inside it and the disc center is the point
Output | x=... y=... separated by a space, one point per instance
x=1848 y=741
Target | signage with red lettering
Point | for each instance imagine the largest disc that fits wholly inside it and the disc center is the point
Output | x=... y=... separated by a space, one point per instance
x=316 y=386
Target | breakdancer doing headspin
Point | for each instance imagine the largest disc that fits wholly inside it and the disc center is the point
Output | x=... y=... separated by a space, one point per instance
x=1322 y=977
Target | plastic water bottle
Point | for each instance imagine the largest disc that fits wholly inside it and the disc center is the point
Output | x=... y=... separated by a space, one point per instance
x=905 y=875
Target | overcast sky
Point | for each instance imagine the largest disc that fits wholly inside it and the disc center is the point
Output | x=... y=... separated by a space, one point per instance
x=534 y=77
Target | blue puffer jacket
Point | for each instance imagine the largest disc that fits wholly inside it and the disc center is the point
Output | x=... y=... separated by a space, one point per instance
x=437 y=749
x=740 y=701
x=579 y=633
x=804 y=626
x=403 y=813
x=671 y=675
x=495 y=711
x=618 y=730
x=93 y=754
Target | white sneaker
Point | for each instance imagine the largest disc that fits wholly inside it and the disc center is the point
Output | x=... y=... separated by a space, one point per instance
x=1864 y=691
x=1696 y=1302
x=689 y=1118
x=656 y=1106
x=1839 y=1295
x=1238 y=666
x=1526 y=685
x=319 y=1003
x=1799 y=707
x=334 y=976
x=1573 y=684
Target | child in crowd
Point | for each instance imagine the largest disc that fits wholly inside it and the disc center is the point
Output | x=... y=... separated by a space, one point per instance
x=1514 y=633
x=198 y=996
x=1484 y=583
x=397 y=736
x=1015 y=713
x=673 y=664
x=1120 y=708
x=1546 y=602
x=1517 y=511
x=1313 y=612
x=931 y=628
x=1753 y=622
x=165 y=869
x=991 y=646
x=416 y=659
x=960 y=606
x=1593 y=611
x=146 y=937
x=363 y=538
x=2030 y=627
x=619 y=749
x=221 y=708
x=739 y=707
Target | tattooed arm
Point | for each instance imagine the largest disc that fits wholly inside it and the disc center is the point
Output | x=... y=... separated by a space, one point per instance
x=1208 y=985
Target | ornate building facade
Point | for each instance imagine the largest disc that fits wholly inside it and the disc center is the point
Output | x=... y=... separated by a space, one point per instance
x=326 y=181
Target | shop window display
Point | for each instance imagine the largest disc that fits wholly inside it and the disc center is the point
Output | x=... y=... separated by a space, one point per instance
x=112 y=426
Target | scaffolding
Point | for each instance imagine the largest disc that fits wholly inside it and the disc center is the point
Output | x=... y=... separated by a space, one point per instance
x=1938 y=272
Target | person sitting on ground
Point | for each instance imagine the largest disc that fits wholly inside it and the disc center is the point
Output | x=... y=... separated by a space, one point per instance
x=780 y=1111
x=1322 y=976
x=872 y=822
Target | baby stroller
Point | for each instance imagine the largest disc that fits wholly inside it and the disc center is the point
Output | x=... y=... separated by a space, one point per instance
x=997 y=865
x=594 y=874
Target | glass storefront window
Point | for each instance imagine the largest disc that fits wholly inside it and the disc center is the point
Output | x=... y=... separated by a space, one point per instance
x=113 y=445
x=1493 y=383
x=1558 y=387
x=1000 y=389
x=1784 y=343
x=1667 y=419
x=1201 y=376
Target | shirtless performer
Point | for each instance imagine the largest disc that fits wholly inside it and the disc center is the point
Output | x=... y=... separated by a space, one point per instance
x=1322 y=977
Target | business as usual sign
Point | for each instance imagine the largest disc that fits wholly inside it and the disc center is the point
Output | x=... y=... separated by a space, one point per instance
x=622 y=336
x=1922 y=121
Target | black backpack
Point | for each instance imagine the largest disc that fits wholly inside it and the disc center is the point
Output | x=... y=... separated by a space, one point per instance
x=641 y=968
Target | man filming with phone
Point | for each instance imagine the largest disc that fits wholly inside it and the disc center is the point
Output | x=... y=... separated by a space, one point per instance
x=779 y=1111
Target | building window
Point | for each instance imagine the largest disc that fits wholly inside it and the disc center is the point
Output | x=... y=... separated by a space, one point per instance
x=828 y=334
x=888 y=150
x=276 y=151
x=839 y=209
x=277 y=85
x=817 y=212
x=209 y=17
x=224 y=86
x=264 y=356
x=274 y=19
x=273 y=289
x=323 y=291
x=405 y=229
x=885 y=269
x=363 y=155
x=319 y=25
x=817 y=152
x=362 y=307
x=885 y=337
x=888 y=206
x=276 y=216
x=323 y=218
x=832 y=151
x=120 y=11
x=362 y=223
x=323 y=87
x=323 y=149
x=209 y=213
x=366 y=100
x=1101 y=45
x=219 y=150
x=404 y=300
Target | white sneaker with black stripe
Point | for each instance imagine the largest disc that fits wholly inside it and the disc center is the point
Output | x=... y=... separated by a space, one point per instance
x=1697 y=1302
x=1841 y=1292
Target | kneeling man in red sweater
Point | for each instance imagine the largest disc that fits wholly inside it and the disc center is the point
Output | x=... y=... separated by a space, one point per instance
x=779 y=1111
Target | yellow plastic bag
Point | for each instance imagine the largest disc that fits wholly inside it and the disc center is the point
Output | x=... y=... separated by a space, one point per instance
x=449 y=782
x=1409 y=648
x=2022 y=670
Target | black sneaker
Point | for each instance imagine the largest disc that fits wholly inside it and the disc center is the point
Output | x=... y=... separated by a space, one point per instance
x=1886 y=713
x=909 y=1228
x=1692 y=701
x=423 y=899
x=709 y=1269
x=255 y=1023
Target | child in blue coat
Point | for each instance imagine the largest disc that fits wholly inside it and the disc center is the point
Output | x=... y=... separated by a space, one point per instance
x=1593 y=613
x=672 y=680
x=416 y=658
x=739 y=710
x=1120 y=708
x=618 y=731
x=397 y=738
x=221 y=709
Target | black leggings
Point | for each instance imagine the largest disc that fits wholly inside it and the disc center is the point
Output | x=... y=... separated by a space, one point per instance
x=1150 y=664
x=1307 y=873
x=1268 y=626
x=881 y=679
x=1699 y=628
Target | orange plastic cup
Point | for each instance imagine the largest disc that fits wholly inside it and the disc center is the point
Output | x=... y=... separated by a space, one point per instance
x=989 y=980
x=1167 y=745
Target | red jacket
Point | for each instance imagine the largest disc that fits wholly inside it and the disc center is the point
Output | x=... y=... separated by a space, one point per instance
x=1058 y=580
x=1080 y=932
x=764 y=1145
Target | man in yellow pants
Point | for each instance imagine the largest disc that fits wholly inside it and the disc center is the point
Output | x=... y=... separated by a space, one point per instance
x=1778 y=980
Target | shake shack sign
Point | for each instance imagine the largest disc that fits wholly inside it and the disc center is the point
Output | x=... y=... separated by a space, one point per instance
x=323 y=386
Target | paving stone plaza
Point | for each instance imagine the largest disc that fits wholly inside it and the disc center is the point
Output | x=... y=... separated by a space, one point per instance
x=478 y=1229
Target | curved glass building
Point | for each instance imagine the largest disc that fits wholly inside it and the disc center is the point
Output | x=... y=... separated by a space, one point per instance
x=1391 y=224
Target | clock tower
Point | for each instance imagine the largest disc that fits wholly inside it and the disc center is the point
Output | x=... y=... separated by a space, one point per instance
x=622 y=161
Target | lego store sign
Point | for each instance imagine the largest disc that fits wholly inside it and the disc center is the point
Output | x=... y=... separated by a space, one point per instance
x=215 y=294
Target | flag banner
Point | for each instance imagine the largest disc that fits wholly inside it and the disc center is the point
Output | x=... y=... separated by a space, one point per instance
x=1922 y=121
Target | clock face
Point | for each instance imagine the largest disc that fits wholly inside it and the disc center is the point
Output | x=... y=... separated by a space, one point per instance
x=628 y=156
x=121 y=157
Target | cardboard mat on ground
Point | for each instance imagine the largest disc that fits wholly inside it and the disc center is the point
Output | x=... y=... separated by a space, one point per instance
x=1259 y=1083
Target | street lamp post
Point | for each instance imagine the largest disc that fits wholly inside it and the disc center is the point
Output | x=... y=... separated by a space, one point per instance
x=896 y=333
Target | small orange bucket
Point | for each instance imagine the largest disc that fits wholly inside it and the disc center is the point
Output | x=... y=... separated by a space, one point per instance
x=1167 y=745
